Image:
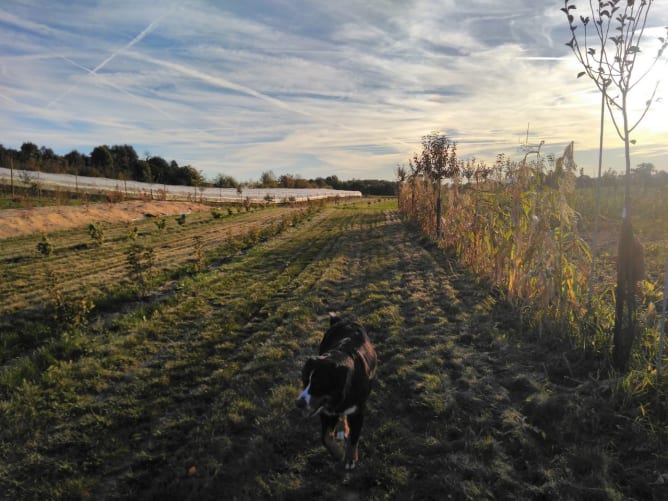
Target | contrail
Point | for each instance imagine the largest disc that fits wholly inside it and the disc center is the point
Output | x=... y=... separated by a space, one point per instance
x=218 y=82
x=26 y=24
x=226 y=84
x=127 y=46
x=120 y=89
x=8 y=99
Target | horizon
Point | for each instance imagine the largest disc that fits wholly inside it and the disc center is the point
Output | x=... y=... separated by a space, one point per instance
x=308 y=88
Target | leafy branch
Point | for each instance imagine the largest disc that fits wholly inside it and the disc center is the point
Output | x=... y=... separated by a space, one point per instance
x=619 y=29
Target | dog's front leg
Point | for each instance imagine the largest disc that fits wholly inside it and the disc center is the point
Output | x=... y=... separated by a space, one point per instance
x=328 y=425
x=352 y=456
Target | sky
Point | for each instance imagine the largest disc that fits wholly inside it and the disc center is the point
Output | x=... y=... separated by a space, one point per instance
x=309 y=87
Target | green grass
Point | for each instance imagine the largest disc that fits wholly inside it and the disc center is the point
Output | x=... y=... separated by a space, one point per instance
x=189 y=394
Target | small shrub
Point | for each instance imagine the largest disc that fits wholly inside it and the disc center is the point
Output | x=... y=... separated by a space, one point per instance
x=140 y=262
x=252 y=237
x=181 y=220
x=200 y=259
x=160 y=223
x=45 y=247
x=96 y=233
x=67 y=313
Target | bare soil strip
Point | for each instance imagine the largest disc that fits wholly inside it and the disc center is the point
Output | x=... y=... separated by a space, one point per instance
x=28 y=221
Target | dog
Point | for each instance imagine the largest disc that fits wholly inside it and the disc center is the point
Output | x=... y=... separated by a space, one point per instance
x=337 y=384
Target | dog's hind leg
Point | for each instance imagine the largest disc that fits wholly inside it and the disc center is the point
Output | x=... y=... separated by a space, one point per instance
x=352 y=455
x=327 y=436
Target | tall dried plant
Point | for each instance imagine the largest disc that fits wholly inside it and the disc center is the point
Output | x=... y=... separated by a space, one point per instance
x=516 y=229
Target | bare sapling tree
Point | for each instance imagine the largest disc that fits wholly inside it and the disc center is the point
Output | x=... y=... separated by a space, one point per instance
x=618 y=28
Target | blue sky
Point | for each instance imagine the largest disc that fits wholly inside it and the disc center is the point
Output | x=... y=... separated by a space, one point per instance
x=307 y=87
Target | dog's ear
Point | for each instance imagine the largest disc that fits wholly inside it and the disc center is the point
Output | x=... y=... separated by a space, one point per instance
x=333 y=318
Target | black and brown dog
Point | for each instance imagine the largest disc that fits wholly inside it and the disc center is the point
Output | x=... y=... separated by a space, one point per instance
x=337 y=384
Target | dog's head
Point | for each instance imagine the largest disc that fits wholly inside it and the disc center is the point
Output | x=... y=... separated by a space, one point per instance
x=323 y=381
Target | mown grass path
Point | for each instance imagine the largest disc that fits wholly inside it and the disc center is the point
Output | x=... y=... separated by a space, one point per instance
x=193 y=398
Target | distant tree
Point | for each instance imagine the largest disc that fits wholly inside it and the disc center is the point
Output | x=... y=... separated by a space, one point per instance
x=47 y=153
x=294 y=181
x=142 y=172
x=376 y=187
x=660 y=179
x=645 y=170
x=29 y=156
x=188 y=176
x=643 y=174
x=301 y=183
x=286 y=181
x=333 y=181
x=75 y=162
x=268 y=180
x=175 y=176
x=584 y=181
x=102 y=161
x=159 y=170
x=223 y=181
x=125 y=159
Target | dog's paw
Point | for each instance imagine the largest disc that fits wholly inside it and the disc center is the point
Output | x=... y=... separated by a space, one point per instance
x=350 y=465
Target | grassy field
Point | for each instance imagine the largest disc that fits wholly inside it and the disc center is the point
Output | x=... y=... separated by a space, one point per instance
x=188 y=392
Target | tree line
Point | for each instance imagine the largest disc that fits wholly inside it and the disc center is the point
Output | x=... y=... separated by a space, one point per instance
x=115 y=162
x=122 y=162
x=377 y=187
